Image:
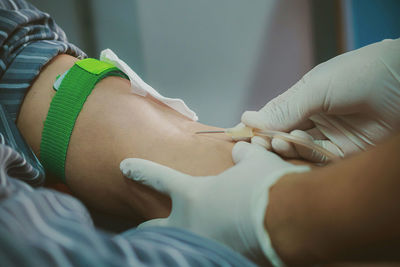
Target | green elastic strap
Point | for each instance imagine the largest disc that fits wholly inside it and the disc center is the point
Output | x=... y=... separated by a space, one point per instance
x=65 y=107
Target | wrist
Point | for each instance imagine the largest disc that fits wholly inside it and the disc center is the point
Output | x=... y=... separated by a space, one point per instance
x=284 y=220
x=259 y=211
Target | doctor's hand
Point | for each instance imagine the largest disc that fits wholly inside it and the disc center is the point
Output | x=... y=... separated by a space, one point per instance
x=346 y=104
x=229 y=207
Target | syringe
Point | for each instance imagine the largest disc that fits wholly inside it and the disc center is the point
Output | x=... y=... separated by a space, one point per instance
x=238 y=133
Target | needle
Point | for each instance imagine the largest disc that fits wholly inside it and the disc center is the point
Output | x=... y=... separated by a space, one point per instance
x=241 y=133
x=206 y=132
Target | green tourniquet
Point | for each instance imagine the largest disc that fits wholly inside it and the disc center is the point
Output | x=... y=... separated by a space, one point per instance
x=65 y=107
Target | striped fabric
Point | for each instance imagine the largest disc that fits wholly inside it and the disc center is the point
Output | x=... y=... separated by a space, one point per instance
x=42 y=227
x=29 y=38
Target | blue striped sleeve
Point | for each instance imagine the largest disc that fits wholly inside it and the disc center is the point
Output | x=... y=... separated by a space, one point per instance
x=29 y=39
x=42 y=227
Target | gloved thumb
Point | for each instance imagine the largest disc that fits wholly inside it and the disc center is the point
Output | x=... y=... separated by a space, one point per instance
x=288 y=111
x=298 y=151
x=158 y=177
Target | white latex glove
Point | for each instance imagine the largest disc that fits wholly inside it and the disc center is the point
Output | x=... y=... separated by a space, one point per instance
x=352 y=100
x=229 y=207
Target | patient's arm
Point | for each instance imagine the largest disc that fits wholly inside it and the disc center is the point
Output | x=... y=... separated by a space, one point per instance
x=115 y=124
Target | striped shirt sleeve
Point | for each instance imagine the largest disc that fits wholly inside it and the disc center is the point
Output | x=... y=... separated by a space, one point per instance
x=29 y=39
x=42 y=227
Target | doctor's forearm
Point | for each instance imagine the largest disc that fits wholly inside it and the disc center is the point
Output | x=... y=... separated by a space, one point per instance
x=346 y=211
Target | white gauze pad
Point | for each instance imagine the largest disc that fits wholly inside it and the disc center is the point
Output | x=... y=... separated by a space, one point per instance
x=141 y=88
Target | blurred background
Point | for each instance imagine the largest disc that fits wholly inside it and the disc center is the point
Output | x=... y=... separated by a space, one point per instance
x=224 y=57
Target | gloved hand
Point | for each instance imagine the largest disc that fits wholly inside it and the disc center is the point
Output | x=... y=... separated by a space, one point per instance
x=346 y=104
x=229 y=207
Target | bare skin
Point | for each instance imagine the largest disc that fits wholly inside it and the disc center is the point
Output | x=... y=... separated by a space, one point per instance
x=115 y=124
x=347 y=211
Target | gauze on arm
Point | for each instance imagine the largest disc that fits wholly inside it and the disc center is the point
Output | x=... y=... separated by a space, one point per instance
x=141 y=88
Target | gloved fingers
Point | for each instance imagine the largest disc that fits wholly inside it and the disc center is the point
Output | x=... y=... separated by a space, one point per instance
x=243 y=153
x=159 y=177
x=277 y=114
x=304 y=125
x=291 y=150
x=250 y=157
x=310 y=154
x=154 y=222
x=304 y=152
x=262 y=141
x=261 y=120
x=284 y=148
x=330 y=146
x=291 y=109
x=254 y=119
x=243 y=150
x=316 y=133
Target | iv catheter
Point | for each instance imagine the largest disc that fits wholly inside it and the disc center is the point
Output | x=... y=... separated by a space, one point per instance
x=247 y=132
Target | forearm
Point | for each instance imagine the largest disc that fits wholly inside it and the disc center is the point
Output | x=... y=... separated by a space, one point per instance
x=346 y=211
x=115 y=124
